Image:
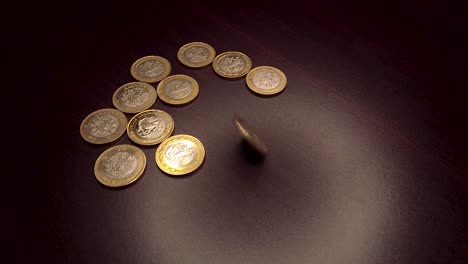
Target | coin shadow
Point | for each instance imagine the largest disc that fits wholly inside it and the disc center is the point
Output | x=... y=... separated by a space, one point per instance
x=188 y=175
x=180 y=105
x=263 y=95
x=226 y=78
x=250 y=155
x=127 y=186
x=193 y=68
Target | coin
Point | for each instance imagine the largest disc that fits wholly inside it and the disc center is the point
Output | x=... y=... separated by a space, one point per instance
x=134 y=97
x=150 y=127
x=178 y=89
x=232 y=64
x=266 y=80
x=150 y=69
x=180 y=154
x=249 y=135
x=196 y=54
x=120 y=165
x=103 y=126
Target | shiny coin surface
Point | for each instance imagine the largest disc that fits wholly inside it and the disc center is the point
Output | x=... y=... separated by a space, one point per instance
x=150 y=127
x=134 y=97
x=266 y=80
x=196 y=54
x=232 y=64
x=249 y=135
x=120 y=165
x=178 y=89
x=103 y=126
x=150 y=69
x=180 y=154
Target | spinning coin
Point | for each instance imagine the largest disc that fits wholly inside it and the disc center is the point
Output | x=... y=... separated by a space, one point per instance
x=266 y=80
x=232 y=64
x=103 y=126
x=196 y=54
x=150 y=127
x=134 y=97
x=178 y=89
x=150 y=69
x=249 y=136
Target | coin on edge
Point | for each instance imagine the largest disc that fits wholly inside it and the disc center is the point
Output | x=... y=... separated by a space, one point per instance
x=249 y=135
x=266 y=80
x=150 y=69
x=103 y=126
x=120 y=165
x=134 y=97
x=178 y=89
x=196 y=54
x=150 y=127
x=180 y=154
x=232 y=64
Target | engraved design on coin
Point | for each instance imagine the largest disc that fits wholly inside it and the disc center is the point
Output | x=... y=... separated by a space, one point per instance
x=151 y=127
x=103 y=125
x=180 y=153
x=266 y=79
x=197 y=54
x=134 y=96
x=232 y=64
x=120 y=165
x=150 y=68
x=178 y=89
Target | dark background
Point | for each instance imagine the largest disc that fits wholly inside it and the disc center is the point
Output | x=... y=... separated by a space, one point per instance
x=368 y=151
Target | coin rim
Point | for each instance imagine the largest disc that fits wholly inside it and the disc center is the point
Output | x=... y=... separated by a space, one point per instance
x=255 y=88
x=185 y=62
x=132 y=110
x=166 y=72
x=222 y=73
x=193 y=94
x=133 y=136
x=108 y=139
x=103 y=179
x=200 y=157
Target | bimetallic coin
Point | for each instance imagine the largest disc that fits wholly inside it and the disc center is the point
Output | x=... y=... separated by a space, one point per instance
x=150 y=69
x=232 y=64
x=266 y=80
x=178 y=89
x=134 y=97
x=103 y=126
x=249 y=135
x=180 y=154
x=196 y=54
x=120 y=165
x=150 y=127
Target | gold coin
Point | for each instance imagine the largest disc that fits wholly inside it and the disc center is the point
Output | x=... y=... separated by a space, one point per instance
x=180 y=154
x=150 y=127
x=232 y=64
x=266 y=80
x=196 y=54
x=120 y=165
x=249 y=135
x=150 y=69
x=103 y=126
x=178 y=89
x=134 y=97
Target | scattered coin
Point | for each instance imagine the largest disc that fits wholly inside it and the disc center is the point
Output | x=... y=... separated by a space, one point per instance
x=249 y=135
x=150 y=69
x=180 y=154
x=134 y=97
x=120 y=165
x=103 y=126
x=196 y=54
x=232 y=64
x=266 y=80
x=178 y=89
x=150 y=127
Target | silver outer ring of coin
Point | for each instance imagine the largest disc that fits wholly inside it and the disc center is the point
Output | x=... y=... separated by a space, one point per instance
x=280 y=87
x=129 y=109
x=148 y=142
x=164 y=74
x=250 y=136
x=166 y=98
x=222 y=73
x=107 y=139
x=186 y=62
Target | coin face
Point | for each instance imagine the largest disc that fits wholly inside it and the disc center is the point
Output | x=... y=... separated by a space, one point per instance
x=150 y=69
x=134 y=97
x=196 y=54
x=249 y=135
x=120 y=165
x=232 y=64
x=103 y=126
x=178 y=89
x=180 y=154
x=266 y=80
x=150 y=127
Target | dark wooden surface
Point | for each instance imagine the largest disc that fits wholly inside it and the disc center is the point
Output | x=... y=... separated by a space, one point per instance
x=367 y=161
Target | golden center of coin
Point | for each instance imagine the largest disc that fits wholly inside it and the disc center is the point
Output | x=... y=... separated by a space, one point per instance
x=180 y=154
x=150 y=127
x=103 y=126
x=266 y=80
x=120 y=165
x=134 y=97
x=150 y=69
x=249 y=136
x=196 y=54
x=232 y=64
x=178 y=89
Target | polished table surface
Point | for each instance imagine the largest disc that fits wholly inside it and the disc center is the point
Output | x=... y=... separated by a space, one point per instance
x=367 y=161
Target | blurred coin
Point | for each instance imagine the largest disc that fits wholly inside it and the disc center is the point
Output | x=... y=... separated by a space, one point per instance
x=196 y=54
x=249 y=135
x=103 y=126
x=134 y=97
x=266 y=80
x=232 y=64
x=178 y=89
x=150 y=127
x=150 y=69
